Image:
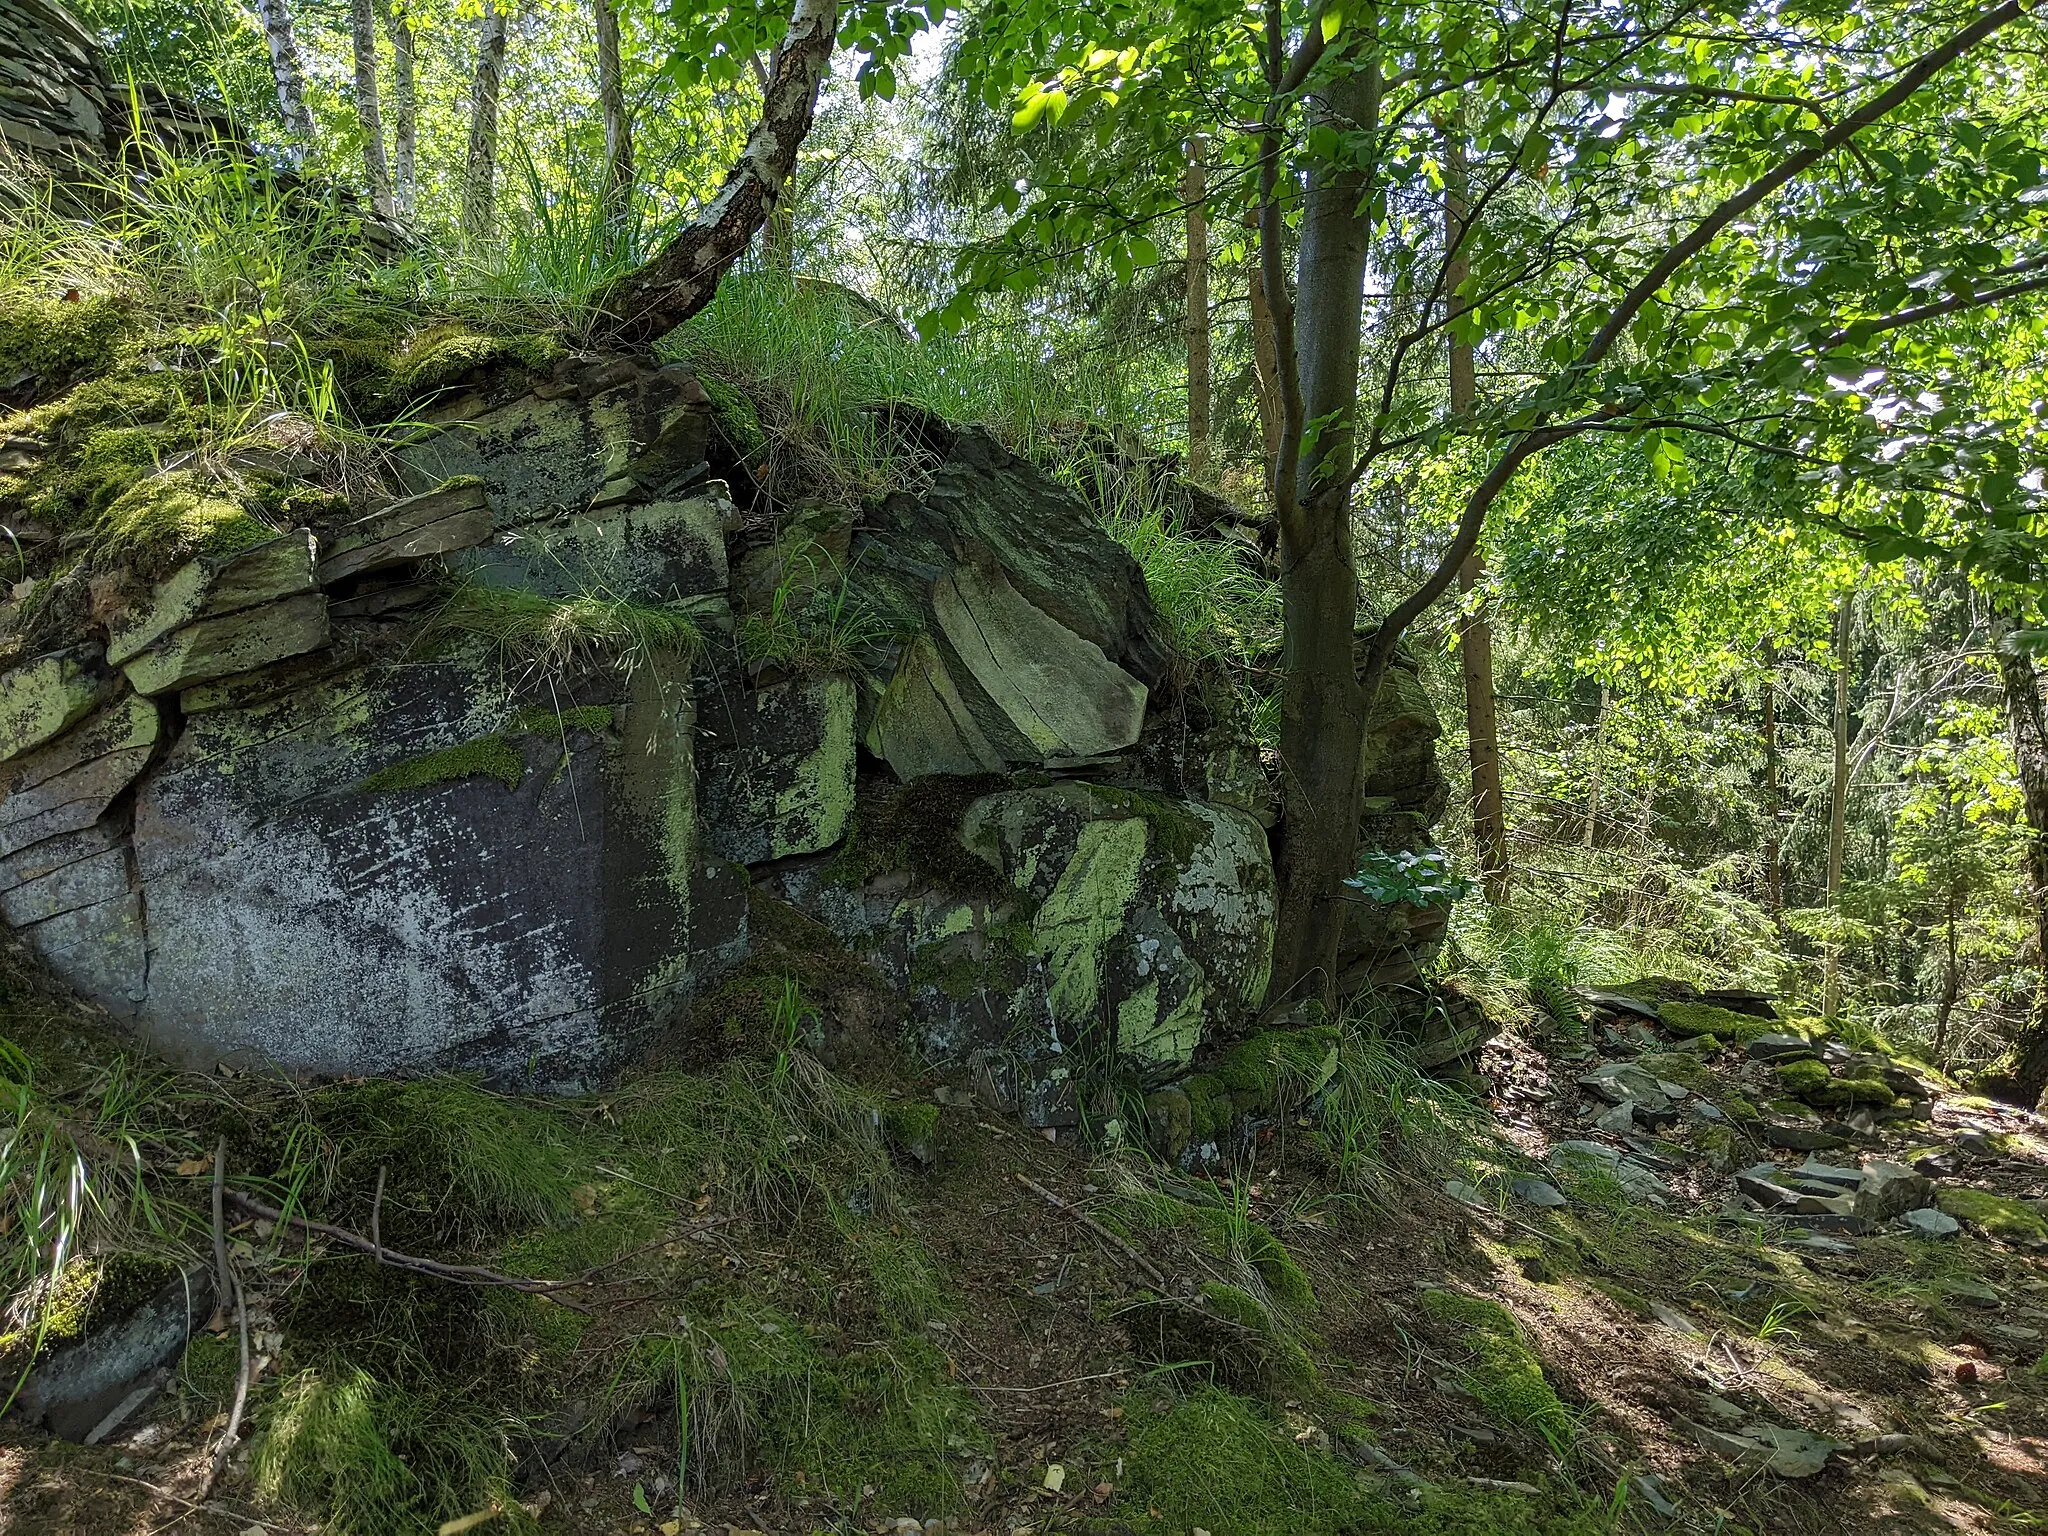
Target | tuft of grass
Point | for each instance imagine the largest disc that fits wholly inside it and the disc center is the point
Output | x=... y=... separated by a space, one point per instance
x=1506 y=1377
x=1216 y=604
x=1381 y=1118
x=551 y=635
x=370 y=1459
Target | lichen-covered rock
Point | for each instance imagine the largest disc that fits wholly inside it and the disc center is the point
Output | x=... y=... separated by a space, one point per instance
x=454 y=515
x=409 y=866
x=42 y=698
x=654 y=552
x=234 y=642
x=210 y=588
x=778 y=777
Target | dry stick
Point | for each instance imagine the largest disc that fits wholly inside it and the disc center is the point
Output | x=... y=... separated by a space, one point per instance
x=459 y=1274
x=1098 y=1229
x=231 y=1286
x=377 y=1215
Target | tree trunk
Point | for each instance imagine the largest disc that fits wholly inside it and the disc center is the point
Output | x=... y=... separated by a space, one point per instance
x=1265 y=372
x=479 y=182
x=1951 y=986
x=1593 y=765
x=1838 y=809
x=405 y=111
x=1475 y=628
x=1774 y=848
x=2029 y=723
x=284 y=65
x=1323 y=699
x=618 y=128
x=376 y=170
x=1194 y=189
x=649 y=302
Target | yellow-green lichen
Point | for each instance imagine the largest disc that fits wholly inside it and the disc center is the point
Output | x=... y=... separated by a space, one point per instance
x=1085 y=912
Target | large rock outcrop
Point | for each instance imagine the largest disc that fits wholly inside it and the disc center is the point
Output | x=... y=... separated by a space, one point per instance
x=478 y=771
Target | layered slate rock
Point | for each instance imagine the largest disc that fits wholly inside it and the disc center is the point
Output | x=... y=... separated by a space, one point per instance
x=416 y=865
x=455 y=515
x=779 y=771
x=42 y=698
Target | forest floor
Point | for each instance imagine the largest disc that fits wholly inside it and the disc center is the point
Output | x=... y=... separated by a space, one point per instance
x=989 y=1350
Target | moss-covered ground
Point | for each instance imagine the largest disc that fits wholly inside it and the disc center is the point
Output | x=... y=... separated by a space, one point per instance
x=807 y=1299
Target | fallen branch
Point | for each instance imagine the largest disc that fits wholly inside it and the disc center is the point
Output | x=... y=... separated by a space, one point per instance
x=1098 y=1229
x=230 y=1285
x=456 y=1274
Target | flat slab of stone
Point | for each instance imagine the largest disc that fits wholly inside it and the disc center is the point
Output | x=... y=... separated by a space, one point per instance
x=656 y=553
x=67 y=785
x=923 y=726
x=507 y=901
x=235 y=642
x=453 y=516
x=1058 y=690
x=208 y=588
x=1781 y=1047
x=779 y=778
x=41 y=699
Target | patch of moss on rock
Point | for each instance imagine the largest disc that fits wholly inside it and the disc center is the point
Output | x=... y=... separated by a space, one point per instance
x=1210 y=1109
x=162 y=521
x=1278 y=1068
x=446 y=354
x=916 y=827
x=67 y=1309
x=1811 y=1081
x=1694 y=1019
x=555 y=725
x=58 y=342
x=487 y=757
x=2008 y=1220
x=912 y=1129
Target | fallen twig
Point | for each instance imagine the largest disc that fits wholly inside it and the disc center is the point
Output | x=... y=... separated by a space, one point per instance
x=457 y=1274
x=1129 y=1249
x=377 y=1215
x=230 y=1286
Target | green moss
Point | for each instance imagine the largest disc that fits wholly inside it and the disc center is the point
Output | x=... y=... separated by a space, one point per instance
x=1277 y=1068
x=1216 y=1461
x=87 y=1291
x=1284 y=1364
x=488 y=757
x=443 y=355
x=165 y=520
x=1811 y=1081
x=555 y=725
x=371 y=1459
x=1703 y=1019
x=1506 y=1377
x=1739 y=1108
x=912 y=1128
x=1681 y=1067
x=1210 y=1109
x=57 y=342
x=1802 y=1077
x=1996 y=1216
x=916 y=827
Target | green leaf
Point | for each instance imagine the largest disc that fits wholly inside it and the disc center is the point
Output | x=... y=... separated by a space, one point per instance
x=640 y=1500
x=1333 y=20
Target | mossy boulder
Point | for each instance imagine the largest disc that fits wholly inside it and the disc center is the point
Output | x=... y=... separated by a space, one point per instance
x=1695 y=1019
x=1811 y=1082
x=49 y=342
x=1999 y=1216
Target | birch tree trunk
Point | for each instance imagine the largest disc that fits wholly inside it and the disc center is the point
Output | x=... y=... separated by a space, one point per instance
x=479 y=184
x=652 y=300
x=1194 y=191
x=376 y=170
x=405 y=111
x=618 y=127
x=290 y=75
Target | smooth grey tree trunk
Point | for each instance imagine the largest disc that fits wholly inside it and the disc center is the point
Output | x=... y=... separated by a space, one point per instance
x=405 y=112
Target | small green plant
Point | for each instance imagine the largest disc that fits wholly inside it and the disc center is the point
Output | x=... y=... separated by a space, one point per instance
x=809 y=625
x=1403 y=877
x=1777 y=1323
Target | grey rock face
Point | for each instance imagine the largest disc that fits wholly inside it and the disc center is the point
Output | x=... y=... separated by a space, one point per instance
x=1887 y=1190
x=75 y=1386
